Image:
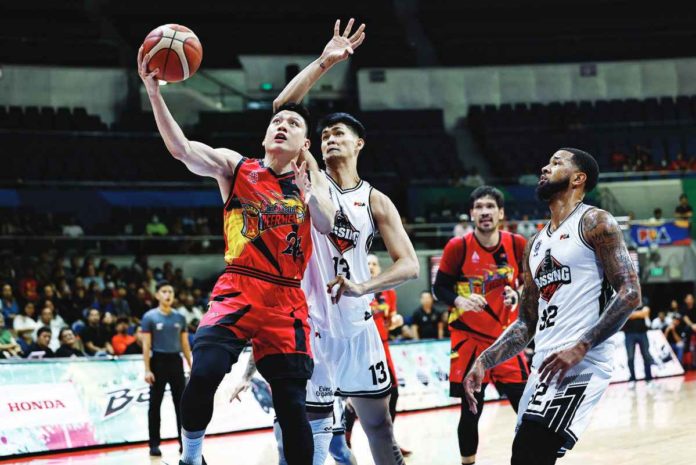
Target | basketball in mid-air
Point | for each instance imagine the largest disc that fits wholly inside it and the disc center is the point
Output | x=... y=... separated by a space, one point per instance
x=175 y=50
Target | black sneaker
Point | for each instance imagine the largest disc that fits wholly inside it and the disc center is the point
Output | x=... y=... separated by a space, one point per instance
x=155 y=452
x=181 y=462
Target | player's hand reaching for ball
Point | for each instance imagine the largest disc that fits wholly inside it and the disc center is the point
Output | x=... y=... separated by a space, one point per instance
x=472 y=303
x=341 y=286
x=151 y=82
x=341 y=46
x=472 y=385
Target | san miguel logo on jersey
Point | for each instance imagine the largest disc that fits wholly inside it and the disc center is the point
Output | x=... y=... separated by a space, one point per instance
x=260 y=216
x=344 y=235
x=492 y=279
x=550 y=276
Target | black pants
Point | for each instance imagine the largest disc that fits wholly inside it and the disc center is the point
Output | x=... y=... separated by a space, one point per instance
x=168 y=369
x=640 y=338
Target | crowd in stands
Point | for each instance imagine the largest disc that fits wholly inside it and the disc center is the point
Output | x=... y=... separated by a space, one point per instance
x=678 y=323
x=63 y=307
x=642 y=159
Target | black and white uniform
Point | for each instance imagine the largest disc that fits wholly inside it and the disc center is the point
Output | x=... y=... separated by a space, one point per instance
x=349 y=358
x=573 y=295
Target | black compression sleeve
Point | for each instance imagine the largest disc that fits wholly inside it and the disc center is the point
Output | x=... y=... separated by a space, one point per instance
x=443 y=289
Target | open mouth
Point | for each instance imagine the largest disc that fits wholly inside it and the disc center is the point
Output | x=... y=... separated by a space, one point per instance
x=280 y=137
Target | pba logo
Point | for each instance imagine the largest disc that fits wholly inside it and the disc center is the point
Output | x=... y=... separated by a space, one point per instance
x=550 y=276
x=344 y=236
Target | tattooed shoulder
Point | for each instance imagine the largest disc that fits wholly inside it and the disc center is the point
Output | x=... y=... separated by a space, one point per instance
x=599 y=228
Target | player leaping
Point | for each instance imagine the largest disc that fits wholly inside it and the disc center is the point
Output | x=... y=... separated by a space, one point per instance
x=268 y=206
x=567 y=307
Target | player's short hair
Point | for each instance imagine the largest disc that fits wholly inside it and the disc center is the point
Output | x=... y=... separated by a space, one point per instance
x=587 y=164
x=163 y=283
x=300 y=110
x=340 y=117
x=487 y=191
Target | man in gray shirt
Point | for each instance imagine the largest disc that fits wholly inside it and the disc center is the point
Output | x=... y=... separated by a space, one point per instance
x=164 y=333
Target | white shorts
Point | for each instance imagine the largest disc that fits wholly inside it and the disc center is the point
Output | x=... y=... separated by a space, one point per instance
x=566 y=409
x=355 y=367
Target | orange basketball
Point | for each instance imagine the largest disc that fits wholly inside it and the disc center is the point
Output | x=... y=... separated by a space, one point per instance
x=175 y=50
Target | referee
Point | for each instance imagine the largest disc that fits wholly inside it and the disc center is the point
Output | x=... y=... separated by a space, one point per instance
x=164 y=333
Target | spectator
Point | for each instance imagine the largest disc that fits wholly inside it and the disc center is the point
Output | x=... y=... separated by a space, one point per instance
x=136 y=347
x=463 y=227
x=73 y=229
x=28 y=286
x=91 y=278
x=426 y=322
x=661 y=322
x=49 y=319
x=9 y=348
x=40 y=349
x=120 y=303
x=635 y=332
x=8 y=304
x=108 y=321
x=156 y=228
x=25 y=323
x=105 y=302
x=94 y=336
x=69 y=344
x=189 y=309
x=674 y=333
x=688 y=314
x=526 y=228
x=121 y=340
x=683 y=211
x=679 y=163
x=657 y=216
x=400 y=331
x=474 y=179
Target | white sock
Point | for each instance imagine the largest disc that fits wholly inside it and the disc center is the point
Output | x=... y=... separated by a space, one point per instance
x=192 y=442
x=322 y=432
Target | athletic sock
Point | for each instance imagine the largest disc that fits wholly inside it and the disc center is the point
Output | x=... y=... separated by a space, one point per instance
x=192 y=442
x=322 y=432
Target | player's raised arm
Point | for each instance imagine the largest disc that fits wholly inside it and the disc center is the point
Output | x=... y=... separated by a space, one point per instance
x=199 y=158
x=339 y=48
x=515 y=338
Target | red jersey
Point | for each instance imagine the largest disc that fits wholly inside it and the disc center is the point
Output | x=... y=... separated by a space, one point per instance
x=383 y=307
x=484 y=271
x=266 y=225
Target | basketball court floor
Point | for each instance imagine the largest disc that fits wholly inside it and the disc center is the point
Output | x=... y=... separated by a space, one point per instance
x=640 y=425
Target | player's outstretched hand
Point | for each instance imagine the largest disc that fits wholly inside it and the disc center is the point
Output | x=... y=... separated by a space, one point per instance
x=241 y=387
x=560 y=362
x=151 y=83
x=302 y=180
x=340 y=286
x=473 y=303
x=511 y=297
x=341 y=46
x=472 y=384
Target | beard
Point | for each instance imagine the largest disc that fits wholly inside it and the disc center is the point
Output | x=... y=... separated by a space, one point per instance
x=547 y=190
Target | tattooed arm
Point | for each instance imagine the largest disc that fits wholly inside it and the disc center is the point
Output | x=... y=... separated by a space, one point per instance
x=601 y=231
x=515 y=338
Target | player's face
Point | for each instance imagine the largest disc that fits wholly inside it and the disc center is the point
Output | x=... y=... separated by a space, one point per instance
x=340 y=141
x=165 y=295
x=286 y=133
x=373 y=265
x=555 y=177
x=486 y=214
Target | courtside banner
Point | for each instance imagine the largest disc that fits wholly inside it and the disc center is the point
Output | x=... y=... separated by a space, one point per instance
x=667 y=233
x=69 y=403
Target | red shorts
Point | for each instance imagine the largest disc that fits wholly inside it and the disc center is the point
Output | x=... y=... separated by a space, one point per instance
x=272 y=315
x=390 y=364
x=465 y=349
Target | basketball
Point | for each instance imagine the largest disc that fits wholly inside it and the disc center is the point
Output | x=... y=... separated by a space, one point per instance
x=175 y=50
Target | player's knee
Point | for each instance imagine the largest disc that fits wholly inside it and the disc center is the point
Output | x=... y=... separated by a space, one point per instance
x=339 y=449
x=289 y=397
x=535 y=444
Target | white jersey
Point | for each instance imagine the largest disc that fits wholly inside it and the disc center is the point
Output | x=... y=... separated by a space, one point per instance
x=344 y=251
x=571 y=281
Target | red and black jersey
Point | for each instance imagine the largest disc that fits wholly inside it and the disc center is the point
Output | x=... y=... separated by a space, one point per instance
x=485 y=271
x=383 y=307
x=266 y=225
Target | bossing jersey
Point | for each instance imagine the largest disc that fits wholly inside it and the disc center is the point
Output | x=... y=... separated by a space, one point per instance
x=266 y=225
x=343 y=251
x=484 y=271
x=383 y=307
x=573 y=290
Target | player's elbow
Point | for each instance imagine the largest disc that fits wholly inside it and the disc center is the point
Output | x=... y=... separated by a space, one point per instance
x=632 y=296
x=413 y=268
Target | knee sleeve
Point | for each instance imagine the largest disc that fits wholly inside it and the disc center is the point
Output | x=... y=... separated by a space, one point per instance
x=212 y=363
x=289 y=403
x=535 y=444
x=339 y=449
x=467 y=430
